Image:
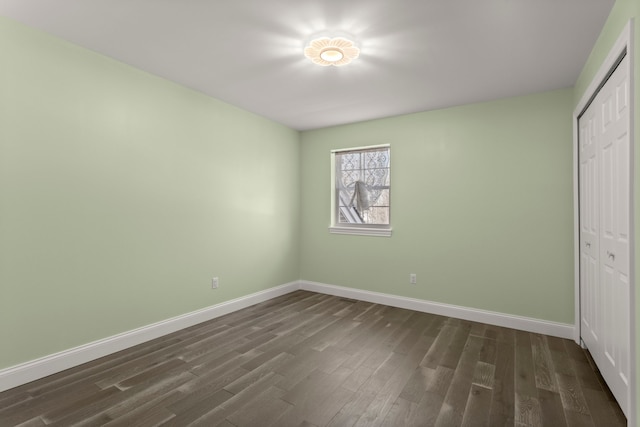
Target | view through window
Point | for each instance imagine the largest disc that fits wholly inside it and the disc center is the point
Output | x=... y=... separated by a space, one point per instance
x=363 y=189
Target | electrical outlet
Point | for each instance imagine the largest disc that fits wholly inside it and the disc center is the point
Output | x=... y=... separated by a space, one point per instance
x=214 y=283
x=413 y=279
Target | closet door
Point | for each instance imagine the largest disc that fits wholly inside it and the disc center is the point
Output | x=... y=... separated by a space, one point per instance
x=613 y=145
x=589 y=233
x=605 y=231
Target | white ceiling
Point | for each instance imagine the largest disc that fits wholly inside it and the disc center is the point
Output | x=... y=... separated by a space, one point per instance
x=416 y=55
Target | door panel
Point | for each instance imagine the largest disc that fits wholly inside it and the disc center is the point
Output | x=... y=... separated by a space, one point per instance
x=609 y=321
x=589 y=212
x=604 y=190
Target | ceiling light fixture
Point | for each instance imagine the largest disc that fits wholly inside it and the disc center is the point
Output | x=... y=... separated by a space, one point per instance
x=336 y=51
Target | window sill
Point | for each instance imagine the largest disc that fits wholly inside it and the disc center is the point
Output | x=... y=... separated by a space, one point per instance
x=361 y=231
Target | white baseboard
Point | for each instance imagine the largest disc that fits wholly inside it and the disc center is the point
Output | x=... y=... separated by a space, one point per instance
x=48 y=365
x=562 y=330
x=51 y=364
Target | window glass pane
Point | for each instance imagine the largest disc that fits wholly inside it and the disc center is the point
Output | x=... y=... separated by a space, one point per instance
x=363 y=186
x=377 y=215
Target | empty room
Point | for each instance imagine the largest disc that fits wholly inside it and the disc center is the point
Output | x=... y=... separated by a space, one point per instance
x=319 y=213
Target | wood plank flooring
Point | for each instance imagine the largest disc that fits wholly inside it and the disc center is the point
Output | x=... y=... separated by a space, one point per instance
x=308 y=359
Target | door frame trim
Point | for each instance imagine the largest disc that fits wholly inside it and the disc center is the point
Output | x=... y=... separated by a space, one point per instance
x=622 y=44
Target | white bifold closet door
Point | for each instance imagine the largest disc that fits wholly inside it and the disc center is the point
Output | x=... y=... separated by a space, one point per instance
x=604 y=182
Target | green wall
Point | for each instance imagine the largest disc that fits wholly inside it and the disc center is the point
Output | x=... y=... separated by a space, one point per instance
x=622 y=11
x=123 y=194
x=482 y=207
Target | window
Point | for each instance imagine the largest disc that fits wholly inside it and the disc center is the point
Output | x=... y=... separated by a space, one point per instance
x=361 y=202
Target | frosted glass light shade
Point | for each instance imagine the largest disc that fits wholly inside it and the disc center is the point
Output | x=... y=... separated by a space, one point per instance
x=331 y=55
x=337 y=51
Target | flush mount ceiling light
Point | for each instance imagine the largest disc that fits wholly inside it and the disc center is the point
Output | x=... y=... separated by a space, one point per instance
x=336 y=51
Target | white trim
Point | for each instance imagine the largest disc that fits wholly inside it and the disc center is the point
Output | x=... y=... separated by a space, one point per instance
x=380 y=230
x=51 y=364
x=562 y=330
x=633 y=384
x=364 y=147
x=624 y=42
x=361 y=231
x=576 y=234
x=26 y=372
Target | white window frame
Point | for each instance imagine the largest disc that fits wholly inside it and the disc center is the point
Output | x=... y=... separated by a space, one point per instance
x=379 y=230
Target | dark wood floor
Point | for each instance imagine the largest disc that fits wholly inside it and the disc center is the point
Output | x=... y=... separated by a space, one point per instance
x=309 y=359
